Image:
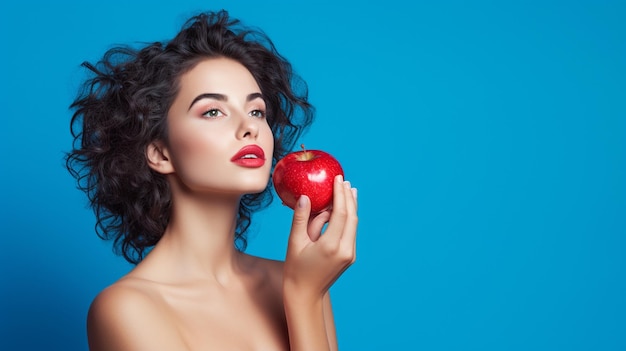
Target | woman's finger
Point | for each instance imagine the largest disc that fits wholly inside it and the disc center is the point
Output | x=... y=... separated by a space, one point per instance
x=348 y=237
x=316 y=225
x=300 y=220
x=339 y=213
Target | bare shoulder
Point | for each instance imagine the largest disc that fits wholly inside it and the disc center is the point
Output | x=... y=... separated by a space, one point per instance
x=127 y=316
x=268 y=274
x=273 y=269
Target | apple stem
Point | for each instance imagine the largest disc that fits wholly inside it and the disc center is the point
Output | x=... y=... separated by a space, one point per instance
x=302 y=146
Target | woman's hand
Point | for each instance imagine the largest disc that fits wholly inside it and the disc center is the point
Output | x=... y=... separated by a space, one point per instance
x=314 y=260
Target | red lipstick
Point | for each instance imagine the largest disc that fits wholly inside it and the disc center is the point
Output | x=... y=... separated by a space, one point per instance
x=250 y=156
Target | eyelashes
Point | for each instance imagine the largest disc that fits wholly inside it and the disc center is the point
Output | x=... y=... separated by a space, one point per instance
x=217 y=113
x=213 y=113
x=258 y=113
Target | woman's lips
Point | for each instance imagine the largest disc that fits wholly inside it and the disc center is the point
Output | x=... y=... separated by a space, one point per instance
x=251 y=156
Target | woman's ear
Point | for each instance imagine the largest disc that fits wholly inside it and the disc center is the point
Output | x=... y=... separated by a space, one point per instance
x=158 y=157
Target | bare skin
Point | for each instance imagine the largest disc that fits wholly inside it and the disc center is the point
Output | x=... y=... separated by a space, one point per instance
x=194 y=290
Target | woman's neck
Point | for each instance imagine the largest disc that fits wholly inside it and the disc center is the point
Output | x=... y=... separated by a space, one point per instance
x=198 y=243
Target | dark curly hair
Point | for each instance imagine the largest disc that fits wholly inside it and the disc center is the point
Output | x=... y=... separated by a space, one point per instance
x=122 y=107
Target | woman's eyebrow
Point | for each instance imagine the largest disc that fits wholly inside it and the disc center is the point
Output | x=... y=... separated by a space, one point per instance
x=255 y=96
x=214 y=96
x=222 y=97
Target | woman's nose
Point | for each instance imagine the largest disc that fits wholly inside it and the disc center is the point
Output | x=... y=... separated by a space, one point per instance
x=248 y=128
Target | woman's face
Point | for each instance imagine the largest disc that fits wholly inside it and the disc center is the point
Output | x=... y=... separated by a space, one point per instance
x=218 y=136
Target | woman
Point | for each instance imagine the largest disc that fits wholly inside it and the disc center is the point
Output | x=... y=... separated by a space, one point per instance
x=174 y=146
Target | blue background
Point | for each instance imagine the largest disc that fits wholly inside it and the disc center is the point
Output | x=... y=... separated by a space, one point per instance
x=487 y=140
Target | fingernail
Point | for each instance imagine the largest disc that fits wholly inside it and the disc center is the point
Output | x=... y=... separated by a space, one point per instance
x=339 y=178
x=346 y=184
x=302 y=201
x=354 y=192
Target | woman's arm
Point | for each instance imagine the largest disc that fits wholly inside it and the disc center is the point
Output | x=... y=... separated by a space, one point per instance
x=306 y=323
x=329 y=321
x=314 y=262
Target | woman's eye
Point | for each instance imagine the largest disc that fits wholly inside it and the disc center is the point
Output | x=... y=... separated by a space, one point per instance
x=258 y=113
x=213 y=113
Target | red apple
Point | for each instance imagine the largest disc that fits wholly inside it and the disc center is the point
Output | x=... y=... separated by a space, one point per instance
x=306 y=172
